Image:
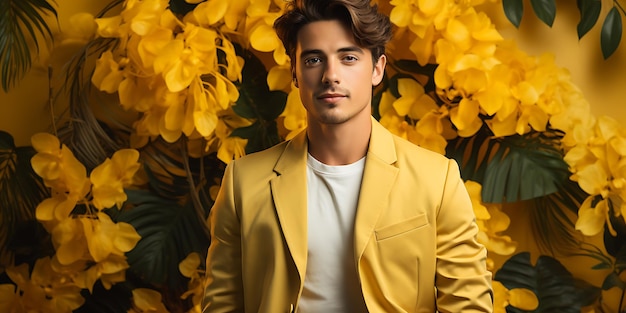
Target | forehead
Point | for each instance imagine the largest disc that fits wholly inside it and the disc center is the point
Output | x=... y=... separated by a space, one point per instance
x=329 y=35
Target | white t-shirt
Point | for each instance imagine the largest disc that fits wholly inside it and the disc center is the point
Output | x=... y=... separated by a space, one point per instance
x=331 y=283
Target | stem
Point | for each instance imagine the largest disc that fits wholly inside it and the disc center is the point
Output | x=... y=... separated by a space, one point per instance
x=619 y=6
x=197 y=204
x=51 y=101
x=621 y=301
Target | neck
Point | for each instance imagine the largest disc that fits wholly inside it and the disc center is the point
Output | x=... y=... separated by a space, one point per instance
x=339 y=144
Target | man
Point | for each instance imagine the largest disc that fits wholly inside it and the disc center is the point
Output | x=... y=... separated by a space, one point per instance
x=345 y=217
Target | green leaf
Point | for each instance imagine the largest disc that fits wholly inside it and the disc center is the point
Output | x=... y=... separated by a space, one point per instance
x=611 y=33
x=116 y=299
x=545 y=10
x=512 y=168
x=21 y=21
x=261 y=135
x=589 y=13
x=169 y=232
x=514 y=10
x=613 y=280
x=256 y=101
x=551 y=220
x=553 y=285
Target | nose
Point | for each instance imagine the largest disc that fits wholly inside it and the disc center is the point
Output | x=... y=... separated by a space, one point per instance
x=331 y=73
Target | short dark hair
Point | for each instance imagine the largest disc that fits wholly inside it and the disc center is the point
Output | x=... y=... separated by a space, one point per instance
x=370 y=28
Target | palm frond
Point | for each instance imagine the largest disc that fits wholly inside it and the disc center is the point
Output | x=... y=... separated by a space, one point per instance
x=90 y=140
x=20 y=23
x=512 y=168
x=21 y=190
x=552 y=219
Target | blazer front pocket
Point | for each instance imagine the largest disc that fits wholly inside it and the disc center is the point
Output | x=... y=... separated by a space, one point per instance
x=402 y=227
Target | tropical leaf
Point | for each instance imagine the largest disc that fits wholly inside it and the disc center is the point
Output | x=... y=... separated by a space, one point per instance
x=256 y=101
x=554 y=286
x=545 y=10
x=169 y=232
x=589 y=13
x=21 y=190
x=552 y=219
x=611 y=33
x=90 y=140
x=514 y=10
x=511 y=168
x=116 y=299
x=21 y=21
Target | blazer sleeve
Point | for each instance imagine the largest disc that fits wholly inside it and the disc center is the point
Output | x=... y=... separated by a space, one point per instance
x=462 y=281
x=223 y=290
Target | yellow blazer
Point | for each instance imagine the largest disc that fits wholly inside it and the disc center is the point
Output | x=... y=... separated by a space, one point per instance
x=414 y=240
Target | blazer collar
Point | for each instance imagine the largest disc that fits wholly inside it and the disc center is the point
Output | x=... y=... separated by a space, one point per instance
x=378 y=178
x=289 y=190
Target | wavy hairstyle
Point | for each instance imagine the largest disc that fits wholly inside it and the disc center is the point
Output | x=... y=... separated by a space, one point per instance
x=370 y=28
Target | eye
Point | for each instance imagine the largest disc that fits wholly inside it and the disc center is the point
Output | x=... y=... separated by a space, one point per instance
x=350 y=58
x=312 y=61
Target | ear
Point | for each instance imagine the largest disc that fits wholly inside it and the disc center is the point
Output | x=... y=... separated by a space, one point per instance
x=295 y=82
x=379 y=70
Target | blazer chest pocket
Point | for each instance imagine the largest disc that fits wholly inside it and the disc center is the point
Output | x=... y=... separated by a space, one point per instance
x=401 y=228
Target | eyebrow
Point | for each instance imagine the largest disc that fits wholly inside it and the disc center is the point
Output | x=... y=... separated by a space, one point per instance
x=345 y=49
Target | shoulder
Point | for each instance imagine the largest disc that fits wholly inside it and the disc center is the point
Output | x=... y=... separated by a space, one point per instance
x=262 y=159
x=409 y=152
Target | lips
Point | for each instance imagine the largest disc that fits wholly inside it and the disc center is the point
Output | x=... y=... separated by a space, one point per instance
x=331 y=97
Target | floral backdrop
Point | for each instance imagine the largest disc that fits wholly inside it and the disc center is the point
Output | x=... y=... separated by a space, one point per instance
x=105 y=213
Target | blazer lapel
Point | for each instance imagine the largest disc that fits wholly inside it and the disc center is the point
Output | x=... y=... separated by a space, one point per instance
x=378 y=178
x=290 y=198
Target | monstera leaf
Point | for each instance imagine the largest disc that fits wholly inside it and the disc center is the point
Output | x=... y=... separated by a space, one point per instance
x=169 y=232
x=553 y=285
x=511 y=168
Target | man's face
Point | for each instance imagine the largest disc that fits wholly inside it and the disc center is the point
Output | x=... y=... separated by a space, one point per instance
x=335 y=76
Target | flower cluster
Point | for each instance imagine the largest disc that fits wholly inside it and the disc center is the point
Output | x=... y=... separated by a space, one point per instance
x=89 y=245
x=480 y=78
x=189 y=268
x=178 y=73
x=598 y=164
x=491 y=222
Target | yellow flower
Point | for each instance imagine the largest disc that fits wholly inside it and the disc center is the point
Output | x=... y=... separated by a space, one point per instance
x=228 y=147
x=413 y=101
x=261 y=15
x=147 y=301
x=69 y=241
x=279 y=77
x=491 y=222
x=10 y=300
x=465 y=117
x=210 y=12
x=189 y=268
x=294 y=113
x=105 y=237
x=108 y=73
x=591 y=219
x=45 y=290
x=110 y=178
x=432 y=131
x=60 y=171
x=520 y=298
